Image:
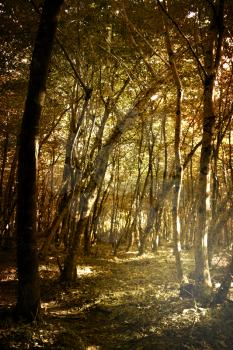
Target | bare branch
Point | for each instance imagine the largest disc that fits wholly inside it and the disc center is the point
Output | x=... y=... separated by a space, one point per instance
x=63 y=49
x=191 y=153
x=185 y=38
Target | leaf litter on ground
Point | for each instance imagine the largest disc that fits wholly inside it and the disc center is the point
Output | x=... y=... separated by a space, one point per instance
x=124 y=302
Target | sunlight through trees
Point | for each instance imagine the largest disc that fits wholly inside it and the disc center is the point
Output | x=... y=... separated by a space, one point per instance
x=128 y=147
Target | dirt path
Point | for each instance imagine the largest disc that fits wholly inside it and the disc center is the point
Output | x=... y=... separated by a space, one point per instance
x=121 y=303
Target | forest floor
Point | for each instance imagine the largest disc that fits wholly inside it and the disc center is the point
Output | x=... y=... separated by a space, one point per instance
x=125 y=302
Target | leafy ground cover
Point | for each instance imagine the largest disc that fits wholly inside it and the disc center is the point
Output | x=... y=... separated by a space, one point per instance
x=124 y=303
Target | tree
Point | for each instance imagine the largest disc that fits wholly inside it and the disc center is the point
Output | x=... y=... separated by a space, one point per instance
x=178 y=170
x=28 y=301
x=223 y=290
x=212 y=57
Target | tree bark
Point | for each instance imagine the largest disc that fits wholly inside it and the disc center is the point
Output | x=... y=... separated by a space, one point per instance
x=28 y=300
x=223 y=290
x=212 y=57
x=178 y=171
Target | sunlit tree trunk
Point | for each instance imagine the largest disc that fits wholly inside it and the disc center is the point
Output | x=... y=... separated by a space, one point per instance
x=149 y=180
x=158 y=221
x=204 y=209
x=28 y=300
x=115 y=204
x=212 y=56
x=214 y=198
x=139 y=193
x=178 y=171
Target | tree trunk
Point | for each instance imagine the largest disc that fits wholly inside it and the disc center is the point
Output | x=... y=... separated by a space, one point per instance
x=223 y=290
x=201 y=238
x=178 y=171
x=69 y=273
x=3 y=166
x=28 y=300
x=212 y=57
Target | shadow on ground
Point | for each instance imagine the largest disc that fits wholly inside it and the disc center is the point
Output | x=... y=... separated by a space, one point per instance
x=125 y=303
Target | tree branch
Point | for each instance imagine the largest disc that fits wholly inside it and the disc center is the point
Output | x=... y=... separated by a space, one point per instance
x=185 y=38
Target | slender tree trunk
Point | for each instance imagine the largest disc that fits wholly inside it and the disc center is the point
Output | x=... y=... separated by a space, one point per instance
x=28 y=301
x=201 y=238
x=3 y=166
x=9 y=203
x=149 y=180
x=2 y=171
x=97 y=209
x=212 y=57
x=52 y=230
x=138 y=197
x=178 y=171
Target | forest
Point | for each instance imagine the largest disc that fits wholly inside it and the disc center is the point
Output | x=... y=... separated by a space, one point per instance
x=116 y=174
